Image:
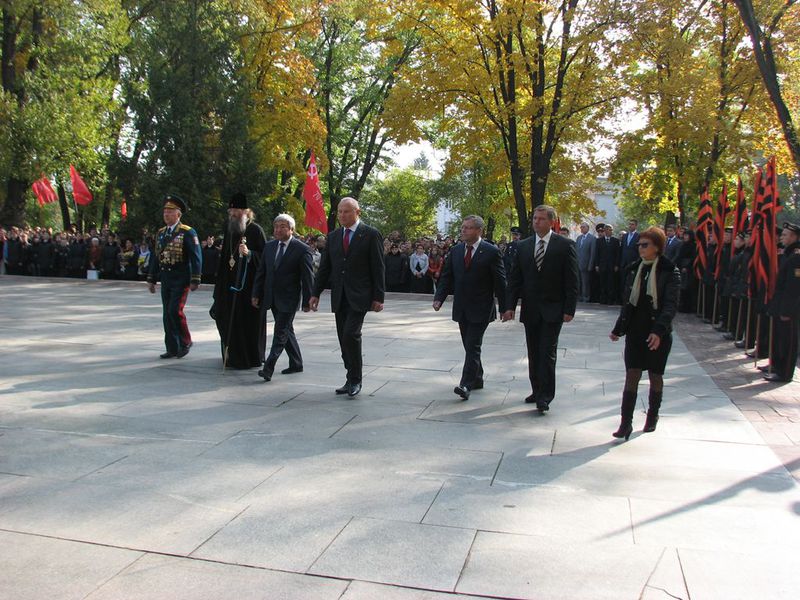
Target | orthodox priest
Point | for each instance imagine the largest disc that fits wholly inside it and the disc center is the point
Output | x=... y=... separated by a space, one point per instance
x=242 y=329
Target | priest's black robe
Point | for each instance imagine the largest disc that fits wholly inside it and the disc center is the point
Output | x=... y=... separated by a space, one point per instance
x=232 y=309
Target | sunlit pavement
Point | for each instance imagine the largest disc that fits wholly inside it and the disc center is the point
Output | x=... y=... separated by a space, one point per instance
x=126 y=476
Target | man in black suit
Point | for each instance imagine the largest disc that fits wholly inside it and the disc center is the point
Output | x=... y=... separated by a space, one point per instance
x=353 y=265
x=284 y=274
x=474 y=274
x=545 y=277
x=673 y=244
x=607 y=265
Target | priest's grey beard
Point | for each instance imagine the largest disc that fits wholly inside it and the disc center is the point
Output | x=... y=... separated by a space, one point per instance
x=237 y=226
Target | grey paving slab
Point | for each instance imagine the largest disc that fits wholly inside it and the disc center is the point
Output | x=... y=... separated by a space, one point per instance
x=727 y=575
x=293 y=517
x=33 y=567
x=706 y=526
x=406 y=554
x=360 y=590
x=541 y=568
x=532 y=511
x=586 y=472
x=185 y=579
x=141 y=519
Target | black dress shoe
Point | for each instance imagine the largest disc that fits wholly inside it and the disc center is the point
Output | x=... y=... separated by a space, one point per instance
x=167 y=355
x=182 y=352
x=354 y=390
x=530 y=399
x=728 y=336
x=462 y=390
x=774 y=377
x=764 y=369
x=265 y=375
x=542 y=406
x=345 y=389
x=478 y=385
x=291 y=370
x=739 y=344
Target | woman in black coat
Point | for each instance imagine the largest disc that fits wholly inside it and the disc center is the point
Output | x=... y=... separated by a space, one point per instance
x=650 y=301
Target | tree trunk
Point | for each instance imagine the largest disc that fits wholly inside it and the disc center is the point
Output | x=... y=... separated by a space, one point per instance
x=13 y=212
x=62 y=204
x=762 y=49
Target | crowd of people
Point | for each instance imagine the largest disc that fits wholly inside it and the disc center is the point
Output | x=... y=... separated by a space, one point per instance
x=95 y=254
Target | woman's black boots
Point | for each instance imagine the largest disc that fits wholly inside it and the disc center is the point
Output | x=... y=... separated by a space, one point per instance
x=626 y=423
x=652 y=411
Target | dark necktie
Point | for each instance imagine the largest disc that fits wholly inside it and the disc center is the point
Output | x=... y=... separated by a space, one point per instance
x=279 y=256
x=539 y=256
x=468 y=257
x=346 y=241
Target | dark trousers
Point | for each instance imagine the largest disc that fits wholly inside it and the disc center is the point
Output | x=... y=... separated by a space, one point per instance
x=784 y=348
x=176 y=330
x=348 y=330
x=607 y=280
x=541 y=339
x=472 y=339
x=283 y=337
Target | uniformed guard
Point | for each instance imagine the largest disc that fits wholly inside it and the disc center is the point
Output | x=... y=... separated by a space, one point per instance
x=177 y=263
x=785 y=307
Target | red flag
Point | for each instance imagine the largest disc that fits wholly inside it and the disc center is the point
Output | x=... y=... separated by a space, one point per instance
x=702 y=228
x=123 y=210
x=37 y=190
x=80 y=192
x=740 y=221
x=720 y=215
x=315 y=211
x=770 y=207
x=44 y=191
x=46 y=186
x=755 y=235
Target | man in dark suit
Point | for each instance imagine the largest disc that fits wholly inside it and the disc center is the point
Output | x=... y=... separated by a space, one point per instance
x=474 y=274
x=284 y=274
x=673 y=244
x=606 y=265
x=353 y=265
x=630 y=250
x=545 y=277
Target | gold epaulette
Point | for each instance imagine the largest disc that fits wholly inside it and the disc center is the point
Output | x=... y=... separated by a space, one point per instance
x=163 y=229
x=184 y=227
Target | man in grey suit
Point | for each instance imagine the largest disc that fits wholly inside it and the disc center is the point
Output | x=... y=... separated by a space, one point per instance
x=474 y=274
x=545 y=277
x=284 y=274
x=585 y=244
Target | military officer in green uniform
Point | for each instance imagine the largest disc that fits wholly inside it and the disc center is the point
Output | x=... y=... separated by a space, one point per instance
x=785 y=307
x=177 y=263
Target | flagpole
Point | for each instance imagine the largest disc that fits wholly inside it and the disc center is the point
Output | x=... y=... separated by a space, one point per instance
x=730 y=315
x=747 y=324
x=714 y=308
x=757 y=344
x=771 y=332
x=738 y=321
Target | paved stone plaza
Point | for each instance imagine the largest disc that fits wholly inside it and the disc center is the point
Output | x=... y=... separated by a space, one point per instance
x=123 y=476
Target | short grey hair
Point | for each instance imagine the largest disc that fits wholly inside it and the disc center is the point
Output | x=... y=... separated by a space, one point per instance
x=479 y=222
x=283 y=217
x=551 y=212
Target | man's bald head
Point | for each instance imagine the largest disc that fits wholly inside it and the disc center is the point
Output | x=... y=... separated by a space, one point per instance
x=348 y=211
